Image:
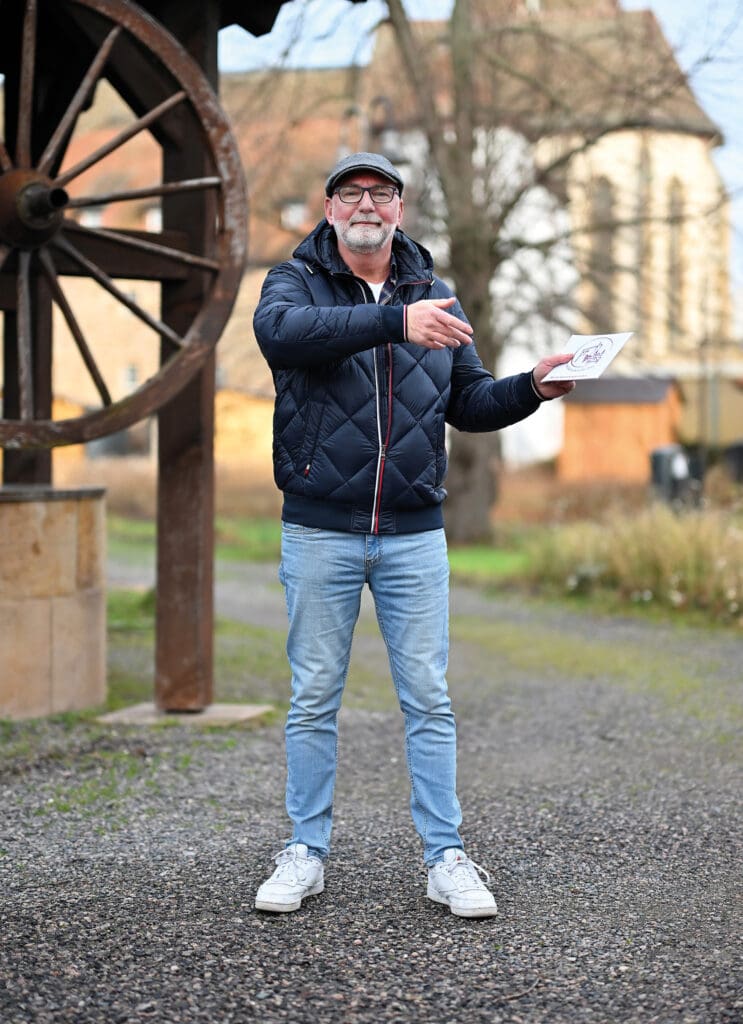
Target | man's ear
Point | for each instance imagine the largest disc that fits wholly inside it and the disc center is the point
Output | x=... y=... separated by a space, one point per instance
x=329 y=209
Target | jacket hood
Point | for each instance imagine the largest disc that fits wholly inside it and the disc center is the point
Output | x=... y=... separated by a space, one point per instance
x=320 y=247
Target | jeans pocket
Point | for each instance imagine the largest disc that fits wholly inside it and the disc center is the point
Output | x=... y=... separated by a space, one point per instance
x=298 y=529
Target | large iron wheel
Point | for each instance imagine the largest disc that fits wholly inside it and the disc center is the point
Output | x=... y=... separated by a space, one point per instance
x=42 y=242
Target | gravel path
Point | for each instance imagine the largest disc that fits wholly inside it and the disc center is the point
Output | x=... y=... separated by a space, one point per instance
x=600 y=778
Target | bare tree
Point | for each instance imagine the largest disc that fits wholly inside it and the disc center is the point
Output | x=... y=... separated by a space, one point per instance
x=497 y=112
x=560 y=80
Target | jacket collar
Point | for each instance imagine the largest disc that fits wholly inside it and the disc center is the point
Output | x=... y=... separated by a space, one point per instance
x=414 y=261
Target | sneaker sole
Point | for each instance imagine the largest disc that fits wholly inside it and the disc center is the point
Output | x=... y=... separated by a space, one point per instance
x=286 y=908
x=466 y=912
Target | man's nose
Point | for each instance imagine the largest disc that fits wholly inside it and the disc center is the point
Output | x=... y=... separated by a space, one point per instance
x=366 y=202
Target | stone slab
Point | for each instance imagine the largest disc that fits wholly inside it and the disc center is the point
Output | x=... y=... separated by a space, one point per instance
x=14 y=493
x=212 y=715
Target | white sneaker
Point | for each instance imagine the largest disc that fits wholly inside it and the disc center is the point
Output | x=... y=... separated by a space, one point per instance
x=297 y=875
x=456 y=882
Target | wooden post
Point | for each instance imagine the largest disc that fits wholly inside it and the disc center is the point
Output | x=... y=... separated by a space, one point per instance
x=185 y=510
x=27 y=466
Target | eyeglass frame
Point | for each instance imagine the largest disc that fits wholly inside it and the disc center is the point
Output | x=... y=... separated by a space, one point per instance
x=369 y=189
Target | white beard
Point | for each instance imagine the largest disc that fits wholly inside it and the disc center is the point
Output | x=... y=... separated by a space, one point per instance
x=364 y=238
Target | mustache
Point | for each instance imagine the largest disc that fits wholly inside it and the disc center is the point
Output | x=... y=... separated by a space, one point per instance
x=366 y=218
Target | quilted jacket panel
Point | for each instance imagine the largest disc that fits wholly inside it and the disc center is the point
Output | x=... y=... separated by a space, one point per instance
x=329 y=346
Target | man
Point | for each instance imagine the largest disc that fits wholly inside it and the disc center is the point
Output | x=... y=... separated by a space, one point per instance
x=371 y=356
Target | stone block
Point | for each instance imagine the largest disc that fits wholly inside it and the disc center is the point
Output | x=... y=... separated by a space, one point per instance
x=38 y=548
x=91 y=544
x=26 y=665
x=52 y=601
x=78 y=636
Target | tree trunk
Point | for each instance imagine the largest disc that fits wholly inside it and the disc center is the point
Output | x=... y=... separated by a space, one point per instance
x=474 y=461
x=472 y=487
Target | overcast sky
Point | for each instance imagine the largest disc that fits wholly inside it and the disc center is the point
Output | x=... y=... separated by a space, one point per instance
x=706 y=34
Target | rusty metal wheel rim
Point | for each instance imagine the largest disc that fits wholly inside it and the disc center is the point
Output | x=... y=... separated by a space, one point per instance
x=44 y=195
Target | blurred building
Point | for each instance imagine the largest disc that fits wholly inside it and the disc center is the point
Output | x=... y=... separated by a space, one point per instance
x=630 y=232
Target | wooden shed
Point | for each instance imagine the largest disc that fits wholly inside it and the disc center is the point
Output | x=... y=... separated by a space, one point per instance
x=613 y=424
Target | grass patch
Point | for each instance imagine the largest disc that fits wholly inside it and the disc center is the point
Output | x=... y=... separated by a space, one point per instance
x=103 y=782
x=248 y=540
x=249 y=661
x=481 y=564
x=664 y=563
x=129 y=538
x=640 y=669
x=131 y=610
x=236 y=540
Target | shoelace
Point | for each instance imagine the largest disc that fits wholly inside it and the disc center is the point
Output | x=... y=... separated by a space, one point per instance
x=471 y=869
x=288 y=863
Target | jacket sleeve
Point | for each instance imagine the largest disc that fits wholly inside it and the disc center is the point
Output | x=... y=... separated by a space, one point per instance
x=478 y=402
x=294 y=332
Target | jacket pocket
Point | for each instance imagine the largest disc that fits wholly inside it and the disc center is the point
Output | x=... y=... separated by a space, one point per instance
x=441 y=458
x=313 y=423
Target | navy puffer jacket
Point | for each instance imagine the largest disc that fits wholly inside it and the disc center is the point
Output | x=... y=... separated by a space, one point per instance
x=360 y=414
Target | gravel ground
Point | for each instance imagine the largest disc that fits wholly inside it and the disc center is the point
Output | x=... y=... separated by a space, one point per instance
x=603 y=798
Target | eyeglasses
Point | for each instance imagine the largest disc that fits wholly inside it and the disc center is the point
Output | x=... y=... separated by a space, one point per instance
x=379 y=194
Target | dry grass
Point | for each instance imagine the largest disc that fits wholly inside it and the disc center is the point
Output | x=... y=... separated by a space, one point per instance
x=619 y=539
x=131 y=487
x=688 y=559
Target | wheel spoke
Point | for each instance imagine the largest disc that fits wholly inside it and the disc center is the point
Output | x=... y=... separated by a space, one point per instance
x=26 y=91
x=25 y=337
x=139 y=125
x=77 y=102
x=61 y=299
x=178 y=255
x=105 y=281
x=168 y=187
x=6 y=163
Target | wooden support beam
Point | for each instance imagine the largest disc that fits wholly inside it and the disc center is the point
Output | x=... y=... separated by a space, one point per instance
x=29 y=466
x=185 y=509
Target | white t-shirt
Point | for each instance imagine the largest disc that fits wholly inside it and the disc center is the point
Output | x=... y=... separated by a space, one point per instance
x=376 y=288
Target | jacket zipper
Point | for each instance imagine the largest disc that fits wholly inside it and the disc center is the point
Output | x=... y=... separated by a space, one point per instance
x=382 y=441
x=383 y=444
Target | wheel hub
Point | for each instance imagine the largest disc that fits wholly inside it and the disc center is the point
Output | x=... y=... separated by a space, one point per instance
x=31 y=208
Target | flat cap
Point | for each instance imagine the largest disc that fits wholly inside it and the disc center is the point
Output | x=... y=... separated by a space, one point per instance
x=374 y=162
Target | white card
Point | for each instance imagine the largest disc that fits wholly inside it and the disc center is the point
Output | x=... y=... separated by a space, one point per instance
x=592 y=353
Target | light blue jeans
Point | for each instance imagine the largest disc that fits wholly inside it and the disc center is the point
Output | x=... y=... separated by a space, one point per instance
x=323 y=573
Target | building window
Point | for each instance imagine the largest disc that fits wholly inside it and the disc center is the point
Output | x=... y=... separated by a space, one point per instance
x=642 y=258
x=294 y=214
x=721 y=282
x=135 y=440
x=92 y=217
x=602 y=265
x=675 y=306
x=131 y=377
x=153 y=219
